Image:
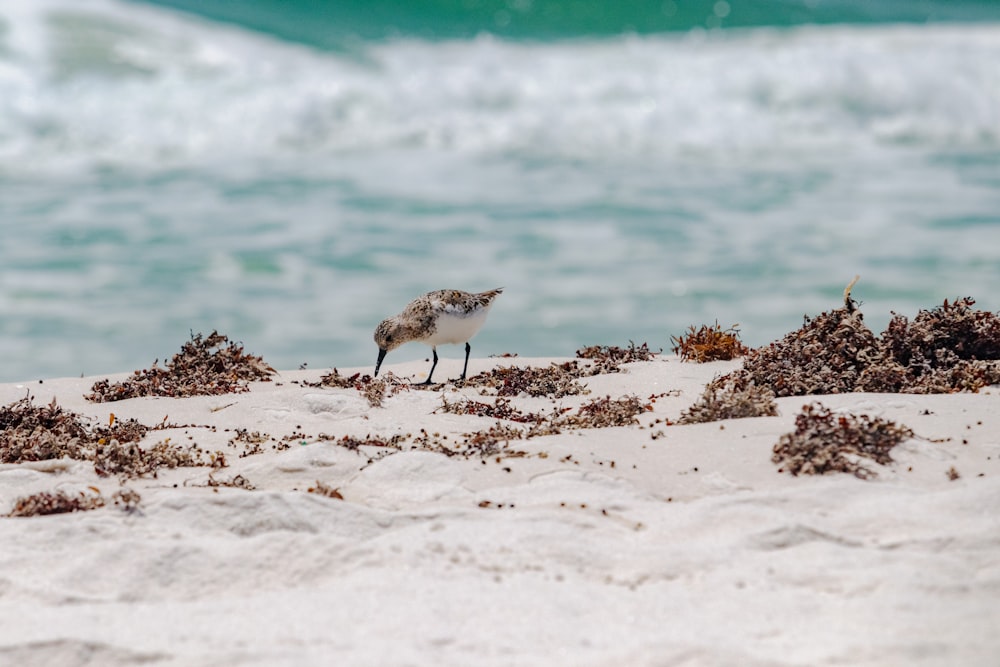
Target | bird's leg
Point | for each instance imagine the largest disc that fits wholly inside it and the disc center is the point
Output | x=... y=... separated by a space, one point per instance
x=433 y=366
x=468 y=348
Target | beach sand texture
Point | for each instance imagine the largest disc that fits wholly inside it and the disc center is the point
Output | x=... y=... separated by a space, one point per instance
x=645 y=544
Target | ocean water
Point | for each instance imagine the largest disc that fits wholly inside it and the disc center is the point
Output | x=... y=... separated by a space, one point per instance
x=289 y=173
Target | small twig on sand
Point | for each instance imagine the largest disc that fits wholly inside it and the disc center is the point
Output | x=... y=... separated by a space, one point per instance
x=848 y=302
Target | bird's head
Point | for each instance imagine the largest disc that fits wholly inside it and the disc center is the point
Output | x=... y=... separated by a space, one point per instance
x=388 y=336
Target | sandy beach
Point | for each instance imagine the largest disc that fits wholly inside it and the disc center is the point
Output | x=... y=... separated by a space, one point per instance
x=647 y=544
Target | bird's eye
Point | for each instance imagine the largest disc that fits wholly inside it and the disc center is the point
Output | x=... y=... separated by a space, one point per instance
x=388 y=339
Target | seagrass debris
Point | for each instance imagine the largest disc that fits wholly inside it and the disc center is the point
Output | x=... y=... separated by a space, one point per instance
x=826 y=442
x=61 y=502
x=205 y=366
x=375 y=390
x=599 y=413
x=609 y=358
x=730 y=402
x=30 y=432
x=949 y=348
x=709 y=343
x=555 y=381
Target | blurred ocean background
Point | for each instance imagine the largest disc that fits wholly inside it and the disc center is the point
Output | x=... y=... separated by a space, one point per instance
x=291 y=172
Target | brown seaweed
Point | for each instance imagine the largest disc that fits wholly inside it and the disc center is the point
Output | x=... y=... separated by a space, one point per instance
x=825 y=442
x=709 y=343
x=205 y=366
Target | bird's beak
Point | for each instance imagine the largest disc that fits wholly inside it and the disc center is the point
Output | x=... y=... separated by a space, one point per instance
x=381 y=355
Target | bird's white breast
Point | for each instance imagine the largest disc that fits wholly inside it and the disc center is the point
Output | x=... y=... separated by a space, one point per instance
x=453 y=328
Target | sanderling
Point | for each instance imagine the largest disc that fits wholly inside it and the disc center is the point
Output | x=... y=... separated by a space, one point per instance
x=436 y=318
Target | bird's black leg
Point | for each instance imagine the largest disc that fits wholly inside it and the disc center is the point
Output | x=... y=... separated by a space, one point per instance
x=468 y=348
x=433 y=366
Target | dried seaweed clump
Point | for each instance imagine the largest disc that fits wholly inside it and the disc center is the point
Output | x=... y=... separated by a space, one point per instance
x=824 y=442
x=39 y=433
x=717 y=403
x=60 y=502
x=709 y=343
x=205 y=366
x=128 y=459
x=554 y=381
x=30 y=432
x=826 y=356
x=949 y=348
x=605 y=412
x=609 y=358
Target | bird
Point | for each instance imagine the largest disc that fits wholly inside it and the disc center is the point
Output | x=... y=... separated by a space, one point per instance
x=441 y=317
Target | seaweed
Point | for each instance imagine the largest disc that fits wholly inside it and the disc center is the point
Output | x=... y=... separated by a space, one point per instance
x=252 y=441
x=599 y=413
x=39 y=433
x=501 y=408
x=127 y=460
x=826 y=356
x=555 y=381
x=606 y=412
x=609 y=358
x=235 y=482
x=374 y=389
x=951 y=347
x=709 y=343
x=205 y=366
x=60 y=502
x=494 y=442
x=954 y=327
x=825 y=442
x=354 y=443
x=29 y=432
x=946 y=349
x=559 y=379
x=322 y=489
x=727 y=402
x=47 y=503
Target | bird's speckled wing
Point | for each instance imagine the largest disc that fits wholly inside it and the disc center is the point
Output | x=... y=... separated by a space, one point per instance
x=450 y=301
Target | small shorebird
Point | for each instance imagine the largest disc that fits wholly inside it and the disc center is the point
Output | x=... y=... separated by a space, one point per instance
x=436 y=318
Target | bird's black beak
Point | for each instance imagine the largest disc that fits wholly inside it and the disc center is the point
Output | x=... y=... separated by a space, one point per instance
x=378 y=364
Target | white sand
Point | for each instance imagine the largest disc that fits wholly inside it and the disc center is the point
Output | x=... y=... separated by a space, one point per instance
x=691 y=549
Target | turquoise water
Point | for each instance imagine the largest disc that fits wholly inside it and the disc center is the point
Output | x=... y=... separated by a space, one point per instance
x=290 y=173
